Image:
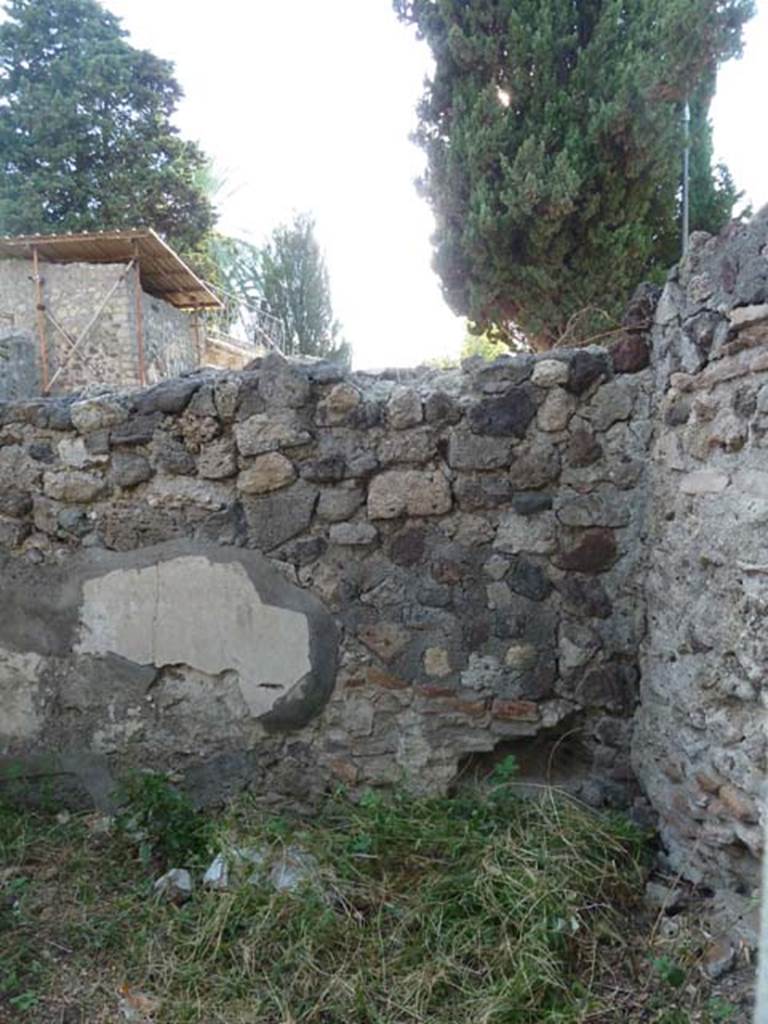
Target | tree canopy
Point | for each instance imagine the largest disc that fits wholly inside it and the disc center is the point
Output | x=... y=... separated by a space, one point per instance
x=289 y=275
x=86 y=139
x=553 y=131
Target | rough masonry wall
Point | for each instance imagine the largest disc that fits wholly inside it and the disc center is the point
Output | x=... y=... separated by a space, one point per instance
x=108 y=357
x=19 y=376
x=700 y=740
x=286 y=578
x=471 y=538
x=169 y=340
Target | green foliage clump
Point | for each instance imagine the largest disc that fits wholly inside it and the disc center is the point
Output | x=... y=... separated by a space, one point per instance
x=554 y=138
x=445 y=911
x=163 y=821
x=288 y=274
x=483 y=345
x=86 y=134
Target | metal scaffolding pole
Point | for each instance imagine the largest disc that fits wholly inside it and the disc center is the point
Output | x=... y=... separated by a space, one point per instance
x=40 y=311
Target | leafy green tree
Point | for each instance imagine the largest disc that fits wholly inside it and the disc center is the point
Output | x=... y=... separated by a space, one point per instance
x=86 y=140
x=289 y=276
x=553 y=131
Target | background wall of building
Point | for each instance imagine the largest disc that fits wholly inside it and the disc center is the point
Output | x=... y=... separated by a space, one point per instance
x=169 y=340
x=19 y=369
x=108 y=357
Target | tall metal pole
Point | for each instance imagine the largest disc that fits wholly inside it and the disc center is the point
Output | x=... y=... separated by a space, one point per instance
x=686 y=175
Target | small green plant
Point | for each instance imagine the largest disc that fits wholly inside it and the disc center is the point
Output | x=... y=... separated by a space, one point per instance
x=670 y=972
x=163 y=821
x=25 y=1001
x=505 y=771
x=673 y=1015
x=718 y=1010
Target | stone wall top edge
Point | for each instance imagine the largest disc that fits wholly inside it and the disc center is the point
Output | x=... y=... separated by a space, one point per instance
x=581 y=369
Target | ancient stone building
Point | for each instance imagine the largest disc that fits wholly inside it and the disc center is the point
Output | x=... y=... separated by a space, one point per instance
x=289 y=577
x=115 y=309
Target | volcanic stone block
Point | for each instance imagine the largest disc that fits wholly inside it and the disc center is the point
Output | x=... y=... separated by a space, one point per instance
x=506 y=415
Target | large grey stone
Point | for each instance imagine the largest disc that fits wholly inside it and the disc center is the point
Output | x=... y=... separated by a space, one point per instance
x=268 y=432
x=217 y=459
x=605 y=506
x=588 y=551
x=534 y=465
x=170 y=396
x=171 y=456
x=282 y=384
x=412 y=492
x=353 y=534
x=611 y=403
x=556 y=410
x=338 y=504
x=441 y=409
x=482 y=491
x=179 y=492
x=341 y=402
x=129 y=470
x=507 y=415
x=275 y=518
x=73 y=452
x=96 y=413
x=587 y=366
x=404 y=409
x=409 y=446
x=269 y=472
x=548 y=373
x=74 y=486
x=136 y=429
x=472 y=451
x=534 y=534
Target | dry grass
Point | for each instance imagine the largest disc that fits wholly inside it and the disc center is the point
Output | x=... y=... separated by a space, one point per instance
x=481 y=909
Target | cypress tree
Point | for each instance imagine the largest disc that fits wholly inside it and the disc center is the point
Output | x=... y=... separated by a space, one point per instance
x=289 y=276
x=553 y=131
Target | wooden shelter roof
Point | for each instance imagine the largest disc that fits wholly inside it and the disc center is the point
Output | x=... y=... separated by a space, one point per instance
x=163 y=272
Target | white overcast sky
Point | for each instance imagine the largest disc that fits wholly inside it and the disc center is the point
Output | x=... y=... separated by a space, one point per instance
x=308 y=104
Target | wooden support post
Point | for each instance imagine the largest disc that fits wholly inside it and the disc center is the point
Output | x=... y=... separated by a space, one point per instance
x=40 y=310
x=139 y=308
x=198 y=342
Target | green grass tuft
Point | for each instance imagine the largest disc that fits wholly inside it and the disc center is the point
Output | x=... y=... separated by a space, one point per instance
x=480 y=909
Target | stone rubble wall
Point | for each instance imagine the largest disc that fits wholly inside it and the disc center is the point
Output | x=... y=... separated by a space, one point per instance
x=290 y=578
x=474 y=535
x=169 y=340
x=700 y=737
x=19 y=376
x=108 y=357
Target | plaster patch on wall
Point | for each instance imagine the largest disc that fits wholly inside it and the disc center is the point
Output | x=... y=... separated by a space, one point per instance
x=189 y=611
x=19 y=676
